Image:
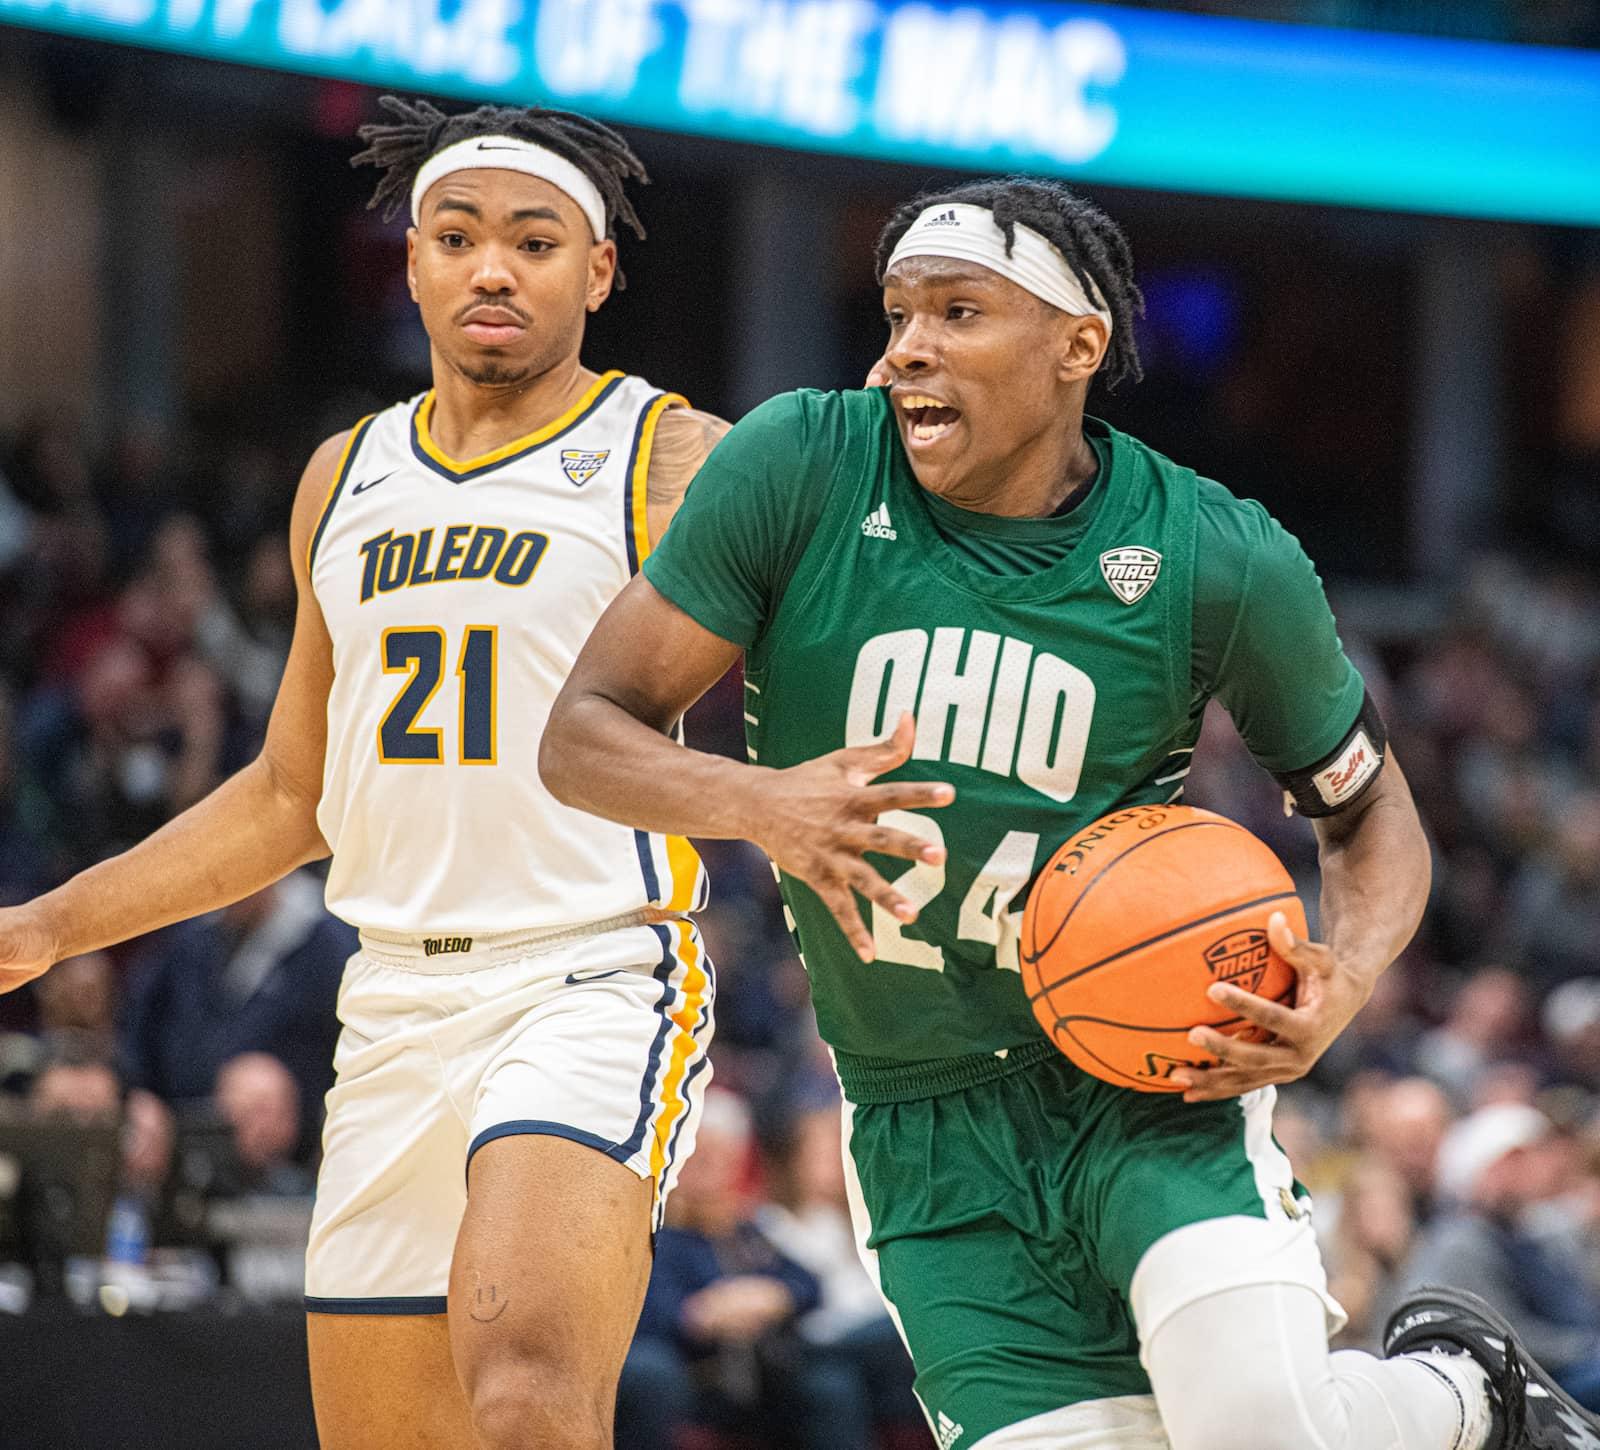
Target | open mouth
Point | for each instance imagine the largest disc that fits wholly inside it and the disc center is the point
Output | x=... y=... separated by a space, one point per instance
x=927 y=419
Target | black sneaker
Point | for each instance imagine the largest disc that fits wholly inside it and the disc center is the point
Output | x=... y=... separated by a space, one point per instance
x=1531 y=1411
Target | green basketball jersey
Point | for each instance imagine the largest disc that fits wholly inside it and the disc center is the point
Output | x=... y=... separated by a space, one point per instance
x=1050 y=664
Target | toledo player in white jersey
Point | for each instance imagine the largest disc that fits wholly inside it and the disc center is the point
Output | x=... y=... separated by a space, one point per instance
x=525 y=1026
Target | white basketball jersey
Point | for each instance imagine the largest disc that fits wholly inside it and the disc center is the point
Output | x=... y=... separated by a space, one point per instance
x=458 y=595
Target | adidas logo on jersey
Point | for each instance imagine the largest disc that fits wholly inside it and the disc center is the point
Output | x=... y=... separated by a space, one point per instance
x=1130 y=571
x=946 y=1432
x=876 y=525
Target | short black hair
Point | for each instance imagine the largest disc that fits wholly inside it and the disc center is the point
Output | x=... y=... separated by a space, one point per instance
x=1091 y=242
x=401 y=147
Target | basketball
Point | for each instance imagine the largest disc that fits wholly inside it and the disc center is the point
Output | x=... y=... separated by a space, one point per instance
x=1133 y=919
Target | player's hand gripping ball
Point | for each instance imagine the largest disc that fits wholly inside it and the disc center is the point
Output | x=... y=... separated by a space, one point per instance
x=1133 y=919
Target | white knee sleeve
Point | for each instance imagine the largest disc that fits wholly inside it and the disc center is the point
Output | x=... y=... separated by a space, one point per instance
x=1249 y=1369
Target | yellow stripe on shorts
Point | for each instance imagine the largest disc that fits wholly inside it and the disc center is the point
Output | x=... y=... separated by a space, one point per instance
x=696 y=983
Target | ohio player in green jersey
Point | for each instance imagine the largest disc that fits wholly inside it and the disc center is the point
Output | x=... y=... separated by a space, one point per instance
x=974 y=620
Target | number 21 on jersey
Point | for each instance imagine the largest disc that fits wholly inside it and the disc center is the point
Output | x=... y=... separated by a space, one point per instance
x=418 y=652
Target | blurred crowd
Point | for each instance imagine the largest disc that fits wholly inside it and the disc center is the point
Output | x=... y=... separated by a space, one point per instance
x=1454 y=1132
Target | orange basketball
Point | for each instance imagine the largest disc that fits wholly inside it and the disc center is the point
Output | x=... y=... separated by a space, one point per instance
x=1133 y=919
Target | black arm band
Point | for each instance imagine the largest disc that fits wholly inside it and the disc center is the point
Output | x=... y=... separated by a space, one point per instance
x=1346 y=773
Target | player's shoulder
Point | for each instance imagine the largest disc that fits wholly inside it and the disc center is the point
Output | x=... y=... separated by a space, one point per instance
x=801 y=438
x=339 y=449
x=807 y=416
x=321 y=469
x=685 y=423
x=684 y=439
x=1225 y=520
x=1240 y=547
x=328 y=461
x=324 y=460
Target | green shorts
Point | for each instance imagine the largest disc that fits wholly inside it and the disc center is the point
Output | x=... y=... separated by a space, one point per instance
x=1010 y=1223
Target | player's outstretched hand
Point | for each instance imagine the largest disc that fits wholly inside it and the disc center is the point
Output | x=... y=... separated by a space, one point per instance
x=1327 y=996
x=878 y=375
x=818 y=820
x=26 y=948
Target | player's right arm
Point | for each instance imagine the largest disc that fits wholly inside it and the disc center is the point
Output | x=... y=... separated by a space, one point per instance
x=707 y=592
x=254 y=828
x=608 y=750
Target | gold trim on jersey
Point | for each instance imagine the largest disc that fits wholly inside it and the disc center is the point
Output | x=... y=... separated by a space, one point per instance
x=639 y=522
x=685 y=868
x=340 y=471
x=574 y=414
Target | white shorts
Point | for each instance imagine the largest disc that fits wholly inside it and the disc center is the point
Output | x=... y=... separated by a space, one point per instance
x=599 y=1037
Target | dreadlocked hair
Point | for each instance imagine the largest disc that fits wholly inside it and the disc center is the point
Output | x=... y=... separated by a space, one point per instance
x=1093 y=245
x=401 y=147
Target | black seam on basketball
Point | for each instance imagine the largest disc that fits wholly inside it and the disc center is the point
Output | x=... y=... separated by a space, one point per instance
x=1111 y=1067
x=1035 y=951
x=1141 y=1027
x=1046 y=988
x=1060 y=1022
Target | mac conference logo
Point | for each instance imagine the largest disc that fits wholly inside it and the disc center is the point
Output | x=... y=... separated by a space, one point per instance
x=1240 y=958
x=581 y=464
x=1130 y=571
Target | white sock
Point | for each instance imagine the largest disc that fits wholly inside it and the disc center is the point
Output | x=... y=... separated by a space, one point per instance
x=1467 y=1378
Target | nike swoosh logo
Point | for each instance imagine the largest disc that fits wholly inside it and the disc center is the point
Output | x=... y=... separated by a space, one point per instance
x=484 y=146
x=573 y=978
x=371 y=483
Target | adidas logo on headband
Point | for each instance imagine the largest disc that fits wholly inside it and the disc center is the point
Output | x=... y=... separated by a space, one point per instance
x=1032 y=261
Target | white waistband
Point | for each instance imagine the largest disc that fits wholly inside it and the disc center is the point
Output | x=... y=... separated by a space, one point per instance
x=445 y=953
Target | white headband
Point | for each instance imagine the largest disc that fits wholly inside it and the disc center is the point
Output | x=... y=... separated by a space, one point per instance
x=506 y=153
x=971 y=234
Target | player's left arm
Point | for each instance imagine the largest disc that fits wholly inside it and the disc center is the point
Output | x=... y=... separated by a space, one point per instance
x=684 y=440
x=1286 y=681
x=1375 y=877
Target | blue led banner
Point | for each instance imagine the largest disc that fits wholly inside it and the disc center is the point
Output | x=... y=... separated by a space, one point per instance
x=1132 y=97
